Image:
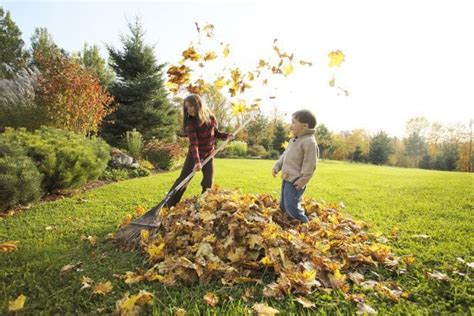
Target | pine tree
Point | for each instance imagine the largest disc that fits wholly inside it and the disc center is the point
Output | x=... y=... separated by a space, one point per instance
x=12 y=55
x=280 y=137
x=141 y=99
x=380 y=149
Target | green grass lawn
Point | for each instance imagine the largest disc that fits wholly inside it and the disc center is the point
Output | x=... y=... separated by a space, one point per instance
x=437 y=204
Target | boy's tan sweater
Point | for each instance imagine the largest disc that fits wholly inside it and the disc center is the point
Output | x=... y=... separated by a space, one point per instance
x=300 y=158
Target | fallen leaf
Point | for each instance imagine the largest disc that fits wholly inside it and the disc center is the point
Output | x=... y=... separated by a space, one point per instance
x=86 y=282
x=69 y=267
x=363 y=309
x=437 y=275
x=264 y=310
x=305 y=302
x=9 y=246
x=17 y=304
x=102 y=288
x=211 y=299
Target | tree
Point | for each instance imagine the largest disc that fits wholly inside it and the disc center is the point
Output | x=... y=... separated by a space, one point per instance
x=218 y=105
x=357 y=155
x=141 y=98
x=43 y=46
x=448 y=157
x=415 y=147
x=12 y=55
x=90 y=58
x=70 y=95
x=380 y=148
x=280 y=137
x=257 y=130
x=324 y=139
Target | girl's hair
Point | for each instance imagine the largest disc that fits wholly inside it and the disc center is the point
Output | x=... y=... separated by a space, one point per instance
x=203 y=113
x=305 y=116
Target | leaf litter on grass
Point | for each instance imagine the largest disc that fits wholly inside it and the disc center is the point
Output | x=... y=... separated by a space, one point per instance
x=234 y=238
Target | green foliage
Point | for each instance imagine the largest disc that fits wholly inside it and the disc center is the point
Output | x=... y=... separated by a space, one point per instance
x=235 y=149
x=324 y=139
x=121 y=174
x=134 y=143
x=90 y=58
x=256 y=151
x=380 y=148
x=12 y=55
x=165 y=156
x=66 y=160
x=141 y=98
x=280 y=137
x=20 y=180
x=448 y=157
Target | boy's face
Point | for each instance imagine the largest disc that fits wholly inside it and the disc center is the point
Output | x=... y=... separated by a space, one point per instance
x=297 y=127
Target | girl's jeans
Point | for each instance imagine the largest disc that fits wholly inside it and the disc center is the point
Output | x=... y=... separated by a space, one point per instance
x=290 y=201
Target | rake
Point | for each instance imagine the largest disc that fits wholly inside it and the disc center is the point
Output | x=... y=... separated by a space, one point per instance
x=129 y=235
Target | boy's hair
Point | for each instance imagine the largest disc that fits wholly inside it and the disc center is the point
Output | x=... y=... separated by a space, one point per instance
x=306 y=116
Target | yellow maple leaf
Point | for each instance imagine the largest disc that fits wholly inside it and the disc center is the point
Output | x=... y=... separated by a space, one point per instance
x=191 y=54
x=238 y=108
x=139 y=210
x=226 y=51
x=288 y=69
x=211 y=299
x=17 y=304
x=86 y=282
x=335 y=58
x=264 y=310
x=130 y=305
x=210 y=56
x=103 y=288
x=219 y=83
x=9 y=246
x=155 y=251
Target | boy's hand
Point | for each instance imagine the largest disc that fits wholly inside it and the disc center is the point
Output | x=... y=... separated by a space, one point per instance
x=198 y=167
x=298 y=185
x=274 y=172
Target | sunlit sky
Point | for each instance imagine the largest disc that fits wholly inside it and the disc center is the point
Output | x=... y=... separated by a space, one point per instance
x=403 y=58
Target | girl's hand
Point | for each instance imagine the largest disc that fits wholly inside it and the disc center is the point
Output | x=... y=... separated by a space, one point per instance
x=198 y=167
x=230 y=137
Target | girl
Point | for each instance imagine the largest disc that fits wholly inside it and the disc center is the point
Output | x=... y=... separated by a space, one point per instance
x=201 y=128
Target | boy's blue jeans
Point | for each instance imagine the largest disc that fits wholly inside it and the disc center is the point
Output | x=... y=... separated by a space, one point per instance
x=290 y=201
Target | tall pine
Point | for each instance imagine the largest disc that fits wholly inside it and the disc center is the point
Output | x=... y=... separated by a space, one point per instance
x=141 y=99
x=12 y=55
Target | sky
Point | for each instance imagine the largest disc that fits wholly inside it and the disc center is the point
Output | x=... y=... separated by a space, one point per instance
x=402 y=58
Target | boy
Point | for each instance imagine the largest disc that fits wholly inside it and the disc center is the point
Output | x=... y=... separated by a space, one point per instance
x=298 y=163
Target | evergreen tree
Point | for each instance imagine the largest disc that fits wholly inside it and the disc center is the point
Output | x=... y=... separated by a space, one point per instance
x=280 y=137
x=12 y=55
x=380 y=149
x=141 y=99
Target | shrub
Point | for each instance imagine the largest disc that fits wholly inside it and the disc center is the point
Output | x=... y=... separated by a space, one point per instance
x=256 y=151
x=164 y=156
x=120 y=174
x=146 y=164
x=236 y=148
x=20 y=180
x=273 y=154
x=66 y=160
x=134 y=143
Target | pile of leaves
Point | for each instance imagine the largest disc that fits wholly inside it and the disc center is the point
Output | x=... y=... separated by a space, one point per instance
x=237 y=238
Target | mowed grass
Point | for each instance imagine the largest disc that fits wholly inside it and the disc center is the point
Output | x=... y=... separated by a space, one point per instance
x=417 y=202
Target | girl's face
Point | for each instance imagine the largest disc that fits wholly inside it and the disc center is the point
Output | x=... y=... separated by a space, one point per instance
x=297 y=127
x=190 y=108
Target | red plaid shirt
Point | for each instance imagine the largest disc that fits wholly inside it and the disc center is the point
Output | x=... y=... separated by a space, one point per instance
x=202 y=138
